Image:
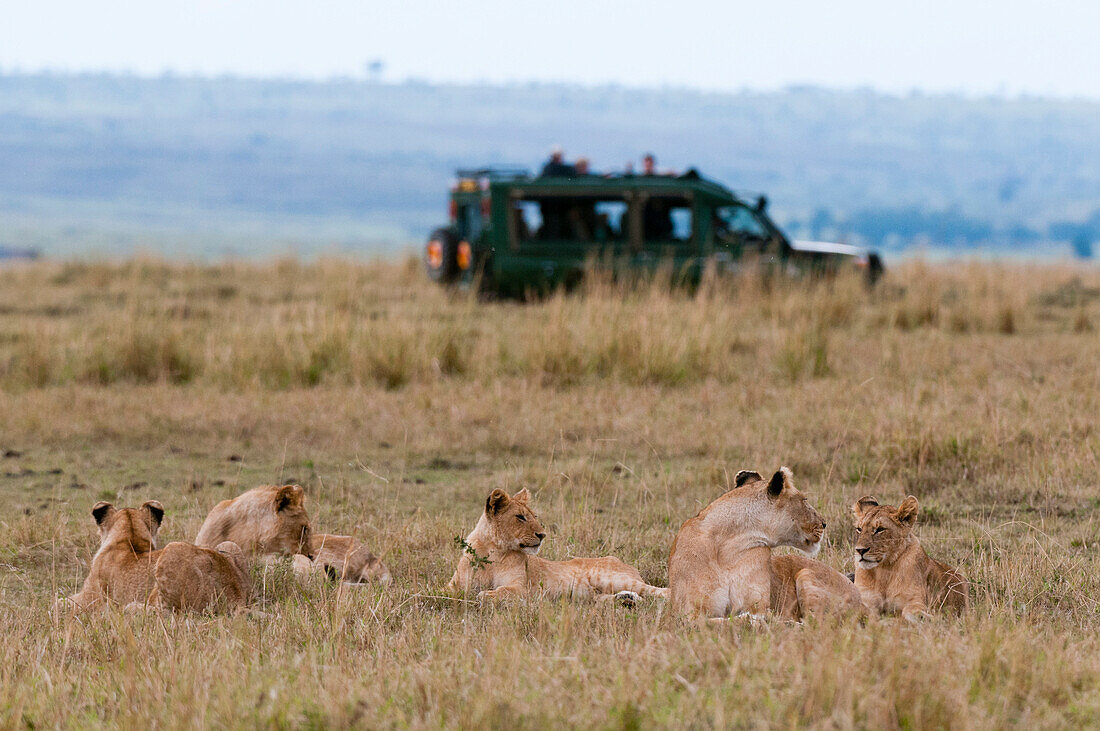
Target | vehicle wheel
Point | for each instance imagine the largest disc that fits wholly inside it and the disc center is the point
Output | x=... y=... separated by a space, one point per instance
x=441 y=256
x=875 y=269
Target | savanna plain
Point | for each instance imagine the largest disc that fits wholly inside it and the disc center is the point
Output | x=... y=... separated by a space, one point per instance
x=399 y=407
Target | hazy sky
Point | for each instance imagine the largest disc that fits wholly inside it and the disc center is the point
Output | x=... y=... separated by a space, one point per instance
x=974 y=46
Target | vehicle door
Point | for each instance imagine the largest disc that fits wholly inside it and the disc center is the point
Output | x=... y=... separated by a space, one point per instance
x=741 y=236
x=668 y=231
x=553 y=235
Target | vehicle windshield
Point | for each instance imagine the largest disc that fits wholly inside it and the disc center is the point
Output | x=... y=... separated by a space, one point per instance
x=742 y=222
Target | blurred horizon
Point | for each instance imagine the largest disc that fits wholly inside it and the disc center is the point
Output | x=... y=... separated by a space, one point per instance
x=972 y=47
x=366 y=78
x=193 y=166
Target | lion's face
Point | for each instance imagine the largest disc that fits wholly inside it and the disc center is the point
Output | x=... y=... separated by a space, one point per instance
x=288 y=531
x=512 y=523
x=783 y=512
x=882 y=531
x=269 y=520
x=137 y=526
x=374 y=570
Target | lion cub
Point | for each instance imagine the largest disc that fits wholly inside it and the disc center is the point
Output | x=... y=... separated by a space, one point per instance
x=344 y=558
x=721 y=562
x=893 y=573
x=265 y=521
x=499 y=558
x=190 y=577
x=129 y=570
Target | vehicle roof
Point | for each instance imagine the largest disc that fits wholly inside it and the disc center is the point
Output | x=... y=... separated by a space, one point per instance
x=689 y=181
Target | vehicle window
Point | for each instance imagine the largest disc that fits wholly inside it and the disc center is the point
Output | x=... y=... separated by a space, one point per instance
x=528 y=220
x=681 y=223
x=741 y=222
x=667 y=219
x=611 y=220
x=559 y=218
x=469 y=221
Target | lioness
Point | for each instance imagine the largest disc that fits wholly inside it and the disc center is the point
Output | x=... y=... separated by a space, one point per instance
x=500 y=560
x=721 y=562
x=344 y=558
x=190 y=577
x=129 y=570
x=893 y=573
x=265 y=521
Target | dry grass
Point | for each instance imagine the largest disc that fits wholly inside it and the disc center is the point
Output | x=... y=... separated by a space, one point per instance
x=398 y=407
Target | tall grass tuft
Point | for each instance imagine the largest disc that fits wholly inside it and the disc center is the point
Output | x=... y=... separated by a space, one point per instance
x=292 y=325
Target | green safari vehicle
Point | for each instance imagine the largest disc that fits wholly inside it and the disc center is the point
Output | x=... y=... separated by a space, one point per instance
x=516 y=235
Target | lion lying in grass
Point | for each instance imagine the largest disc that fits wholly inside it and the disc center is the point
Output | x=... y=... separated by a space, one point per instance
x=893 y=572
x=190 y=577
x=343 y=558
x=499 y=559
x=265 y=521
x=129 y=570
x=721 y=562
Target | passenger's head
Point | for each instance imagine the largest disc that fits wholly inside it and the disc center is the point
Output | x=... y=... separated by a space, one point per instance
x=649 y=164
x=556 y=153
x=582 y=166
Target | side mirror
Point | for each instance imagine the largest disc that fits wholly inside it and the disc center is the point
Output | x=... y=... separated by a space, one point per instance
x=761 y=203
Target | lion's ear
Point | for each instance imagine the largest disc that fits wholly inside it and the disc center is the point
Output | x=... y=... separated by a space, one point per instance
x=289 y=496
x=864 y=504
x=101 y=511
x=781 y=479
x=497 y=501
x=155 y=510
x=523 y=496
x=907 y=511
x=746 y=476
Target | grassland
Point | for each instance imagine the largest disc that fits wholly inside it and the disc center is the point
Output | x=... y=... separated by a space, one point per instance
x=398 y=407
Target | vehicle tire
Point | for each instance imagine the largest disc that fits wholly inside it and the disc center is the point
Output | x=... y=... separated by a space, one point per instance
x=441 y=256
x=875 y=269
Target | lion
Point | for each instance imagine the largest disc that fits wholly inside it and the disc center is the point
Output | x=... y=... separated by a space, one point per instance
x=190 y=577
x=893 y=572
x=499 y=559
x=265 y=521
x=344 y=558
x=721 y=562
x=130 y=571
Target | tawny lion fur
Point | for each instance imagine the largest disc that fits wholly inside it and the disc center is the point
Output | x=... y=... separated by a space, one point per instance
x=721 y=562
x=265 y=521
x=893 y=572
x=129 y=570
x=344 y=558
x=505 y=541
x=195 y=578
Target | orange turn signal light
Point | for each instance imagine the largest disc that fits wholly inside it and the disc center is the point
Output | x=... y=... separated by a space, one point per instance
x=435 y=254
x=463 y=256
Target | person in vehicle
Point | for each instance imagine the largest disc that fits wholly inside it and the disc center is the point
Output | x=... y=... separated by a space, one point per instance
x=556 y=167
x=581 y=167
x=649 y=166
